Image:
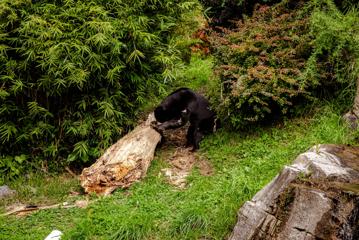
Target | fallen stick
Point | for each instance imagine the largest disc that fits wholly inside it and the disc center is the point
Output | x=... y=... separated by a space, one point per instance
x=71 y=172
x=30 y=208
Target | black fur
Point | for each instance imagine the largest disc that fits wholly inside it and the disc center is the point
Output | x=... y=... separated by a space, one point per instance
x=185 y=105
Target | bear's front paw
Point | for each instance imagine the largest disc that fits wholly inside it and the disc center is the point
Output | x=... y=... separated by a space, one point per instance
x=157 y=127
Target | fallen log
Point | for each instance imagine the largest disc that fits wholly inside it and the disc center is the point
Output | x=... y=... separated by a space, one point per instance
x=124 y=163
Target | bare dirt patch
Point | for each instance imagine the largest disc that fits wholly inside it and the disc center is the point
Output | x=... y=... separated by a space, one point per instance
x=181 y=164
x=182 y=159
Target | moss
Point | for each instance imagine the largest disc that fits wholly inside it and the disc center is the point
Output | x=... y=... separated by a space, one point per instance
x=284 y=205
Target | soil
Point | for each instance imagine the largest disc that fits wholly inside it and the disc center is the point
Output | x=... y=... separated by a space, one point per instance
x=182 y=159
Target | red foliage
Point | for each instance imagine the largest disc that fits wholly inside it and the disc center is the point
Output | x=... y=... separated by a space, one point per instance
x=203 y=46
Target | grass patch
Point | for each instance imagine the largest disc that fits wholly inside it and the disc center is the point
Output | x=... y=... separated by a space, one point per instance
x=152 y=209
x=39 y=189
x=197 y=74
x=35 y=188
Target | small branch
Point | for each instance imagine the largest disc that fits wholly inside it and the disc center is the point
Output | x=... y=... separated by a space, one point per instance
x=31 y=208
x=71 y=172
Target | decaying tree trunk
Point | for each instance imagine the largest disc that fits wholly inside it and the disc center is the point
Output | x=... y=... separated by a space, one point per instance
x=124 y=163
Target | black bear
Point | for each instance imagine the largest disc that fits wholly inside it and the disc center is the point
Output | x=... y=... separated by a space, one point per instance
x=185 y=105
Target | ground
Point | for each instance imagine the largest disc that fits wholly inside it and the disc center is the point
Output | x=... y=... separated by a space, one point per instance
x=181 y=160
x=238 y=164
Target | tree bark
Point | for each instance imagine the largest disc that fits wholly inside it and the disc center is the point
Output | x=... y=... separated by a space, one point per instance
x=124 y=163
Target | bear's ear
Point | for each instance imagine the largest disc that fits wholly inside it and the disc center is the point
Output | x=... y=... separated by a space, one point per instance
x=159 y=110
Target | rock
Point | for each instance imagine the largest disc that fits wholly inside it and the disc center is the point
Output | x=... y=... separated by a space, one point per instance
x=308 y=204
x=351 y=117
x=82 y=203
x=5 y=191
x=54 y=235
x=351 y=120
x=317 y=197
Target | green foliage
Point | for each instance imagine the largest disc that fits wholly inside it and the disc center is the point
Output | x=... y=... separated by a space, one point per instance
x=197 y=74
x=280 y=56
x=335 y=56
x=73 y=73
x=259 y=64
x=222 y=11
x=11 y=167
x=345 y=5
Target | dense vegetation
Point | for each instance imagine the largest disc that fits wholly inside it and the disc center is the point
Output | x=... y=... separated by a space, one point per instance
x=259 y=63
x=222 y=12
x=73 y=74
x=335 y=55
x=282 y=55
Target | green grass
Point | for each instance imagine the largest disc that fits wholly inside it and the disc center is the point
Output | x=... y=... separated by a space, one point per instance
x=197 y=74
x=34 y=188
x=151 y=209
x=38 y=189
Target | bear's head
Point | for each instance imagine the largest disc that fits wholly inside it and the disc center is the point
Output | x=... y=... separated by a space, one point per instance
x=162 y=115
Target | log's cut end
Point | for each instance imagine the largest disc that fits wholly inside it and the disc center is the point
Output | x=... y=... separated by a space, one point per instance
x=124 y=163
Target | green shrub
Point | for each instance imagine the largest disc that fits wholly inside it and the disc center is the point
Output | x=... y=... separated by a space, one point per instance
x=259 y=64
x=335 y=55
x=222 y=12
x=73 y=73
x=280 y=56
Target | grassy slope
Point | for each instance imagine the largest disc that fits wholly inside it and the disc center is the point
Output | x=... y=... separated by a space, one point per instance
x=152 y=209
